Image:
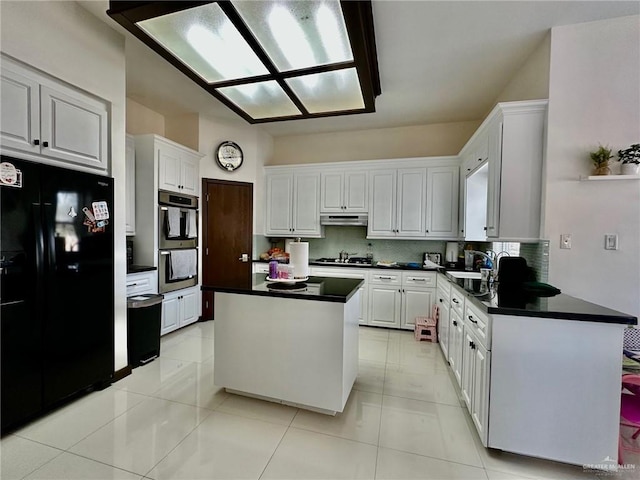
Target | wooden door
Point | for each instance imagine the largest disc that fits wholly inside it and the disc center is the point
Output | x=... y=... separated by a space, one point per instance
x=227 y=235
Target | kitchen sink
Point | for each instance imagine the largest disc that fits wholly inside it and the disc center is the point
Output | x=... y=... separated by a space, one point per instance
x=472 y=275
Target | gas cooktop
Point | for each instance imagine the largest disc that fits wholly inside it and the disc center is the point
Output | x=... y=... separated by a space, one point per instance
x=352 y=261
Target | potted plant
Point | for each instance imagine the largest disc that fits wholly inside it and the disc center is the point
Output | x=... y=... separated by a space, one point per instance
x=600 y=159
x=630 y=159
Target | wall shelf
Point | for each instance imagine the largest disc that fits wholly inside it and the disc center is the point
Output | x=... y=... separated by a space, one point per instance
x=608 y=177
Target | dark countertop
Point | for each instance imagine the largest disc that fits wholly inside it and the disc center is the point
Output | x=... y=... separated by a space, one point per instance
x=398 y=266
x=324 y=289
x=140 y=268
x=519 y=302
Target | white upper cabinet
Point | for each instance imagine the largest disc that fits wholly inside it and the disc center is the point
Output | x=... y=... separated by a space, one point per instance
x=344 y=191
x=414 y=203
x=130 y=187
x=293 y=204
x=442 y=202
x=179 y=169
x=44 y=117
x=514 y=137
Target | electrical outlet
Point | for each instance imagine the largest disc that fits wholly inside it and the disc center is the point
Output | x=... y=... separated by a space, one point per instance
x=565 y=240
x=611 y=242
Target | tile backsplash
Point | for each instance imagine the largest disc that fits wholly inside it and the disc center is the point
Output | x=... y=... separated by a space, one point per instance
x=354 y=241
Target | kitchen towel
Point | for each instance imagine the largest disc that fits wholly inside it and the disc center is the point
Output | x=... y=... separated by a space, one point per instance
x=191 y=226
x=299 y=259
x=173 y=222
x=184 y=263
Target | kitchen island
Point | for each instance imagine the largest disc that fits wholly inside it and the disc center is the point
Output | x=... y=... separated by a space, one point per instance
x=293 y=344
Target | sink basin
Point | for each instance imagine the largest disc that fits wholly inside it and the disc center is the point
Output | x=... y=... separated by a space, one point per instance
x=472 y=275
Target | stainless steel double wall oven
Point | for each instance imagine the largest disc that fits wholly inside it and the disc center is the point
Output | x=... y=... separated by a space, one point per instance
x=177 y=241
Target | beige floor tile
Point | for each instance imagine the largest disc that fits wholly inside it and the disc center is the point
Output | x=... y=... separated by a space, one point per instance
x=73 y=467
x=495 y=475
x=68 y=425
x=258 y=409
x=20 y=457
x=309 y=455
x=396 y=465
x=360 y=420
x=429 y=429
x=137 y=440
x=373 y=333
x=400 y=381
x=373 y=350
x=222 y=447
x=193 y=385
x=370 y=377
x=149 y=378
x=200 y=329
x=191 y=349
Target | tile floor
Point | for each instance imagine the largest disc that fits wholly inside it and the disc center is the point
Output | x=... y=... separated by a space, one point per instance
x=168 y=420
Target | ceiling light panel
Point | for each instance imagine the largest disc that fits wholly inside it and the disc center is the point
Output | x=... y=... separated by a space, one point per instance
x=298 y=34
x=206 y=41
x=261 y=99
x=337 y=90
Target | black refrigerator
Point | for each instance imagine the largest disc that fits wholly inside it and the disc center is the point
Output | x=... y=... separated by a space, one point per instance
x=56 y=286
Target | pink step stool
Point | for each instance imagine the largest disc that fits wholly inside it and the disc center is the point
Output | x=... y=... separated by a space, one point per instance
x=425 y=327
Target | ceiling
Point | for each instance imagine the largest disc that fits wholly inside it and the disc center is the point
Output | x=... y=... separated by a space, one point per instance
x=440 y=61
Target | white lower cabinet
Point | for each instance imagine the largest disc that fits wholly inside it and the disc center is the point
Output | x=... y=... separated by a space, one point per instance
x=342 y=272
x=456 y=337
x=397 y=298
x=443 y=299
x=180 y=308
x=475 y=381
x=142 y=282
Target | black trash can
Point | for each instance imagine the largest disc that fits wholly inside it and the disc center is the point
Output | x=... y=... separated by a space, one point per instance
x=144 y=314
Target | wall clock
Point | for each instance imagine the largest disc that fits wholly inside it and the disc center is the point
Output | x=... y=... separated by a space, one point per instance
x=229 y=156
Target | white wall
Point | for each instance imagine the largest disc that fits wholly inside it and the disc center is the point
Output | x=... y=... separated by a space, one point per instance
x=257 y=147
x=67 y=42
x=594 y=96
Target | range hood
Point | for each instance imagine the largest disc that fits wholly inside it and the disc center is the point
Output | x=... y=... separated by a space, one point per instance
x=354 y=220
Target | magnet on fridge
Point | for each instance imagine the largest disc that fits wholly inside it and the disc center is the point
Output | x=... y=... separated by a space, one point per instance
x=89 y=214
x=100 y=210
x=72 y=213
x=10 y=176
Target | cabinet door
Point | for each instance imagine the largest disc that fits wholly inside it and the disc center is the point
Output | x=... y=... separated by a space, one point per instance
x=468 y=361
x=480 y=397
x=355 y=192
x=332 y=191
x=493 y=186
x=416 y=303
x=384 y=306
x=279 y=205
x=442 y=202
x=306 y=205
x=411 y=202
x=130 y=187
x=169 y=165
x=443 y=327
x=382 y=202
x=170 y=313
x=74 y=127
x=189 y=175
x=20 y=112
x=190 y=301
x=455 y=345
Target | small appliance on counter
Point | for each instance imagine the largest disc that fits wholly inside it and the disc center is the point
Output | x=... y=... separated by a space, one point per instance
x=451 y=255
x=432 y=257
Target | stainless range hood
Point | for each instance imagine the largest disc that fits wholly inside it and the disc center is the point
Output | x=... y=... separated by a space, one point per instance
x=354 y=220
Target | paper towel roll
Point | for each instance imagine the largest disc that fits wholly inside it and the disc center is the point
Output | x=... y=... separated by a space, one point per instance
x=299 y=259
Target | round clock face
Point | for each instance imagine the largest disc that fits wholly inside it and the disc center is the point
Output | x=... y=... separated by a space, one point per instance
x=229 y=156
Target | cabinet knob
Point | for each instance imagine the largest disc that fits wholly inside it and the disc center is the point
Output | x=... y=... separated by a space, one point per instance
x=484 y=228
x=427 y=231
x=45 y=144
x=36 y=142
x=455 y=324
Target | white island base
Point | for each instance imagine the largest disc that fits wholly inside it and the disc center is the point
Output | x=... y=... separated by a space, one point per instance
x=297 y=352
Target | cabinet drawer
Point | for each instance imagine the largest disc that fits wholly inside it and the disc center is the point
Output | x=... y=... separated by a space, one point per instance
x=260 y=268
x=444 y=295
x=421 y=279
x=385 y=278
x=457 y=301
x=143 y=282
x=479 y=322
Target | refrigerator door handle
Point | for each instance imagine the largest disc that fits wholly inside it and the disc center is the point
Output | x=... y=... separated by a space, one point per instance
x=51 y=243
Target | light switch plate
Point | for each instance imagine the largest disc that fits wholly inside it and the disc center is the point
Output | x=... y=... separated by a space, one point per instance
x=611 y=242
x=565 y=240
